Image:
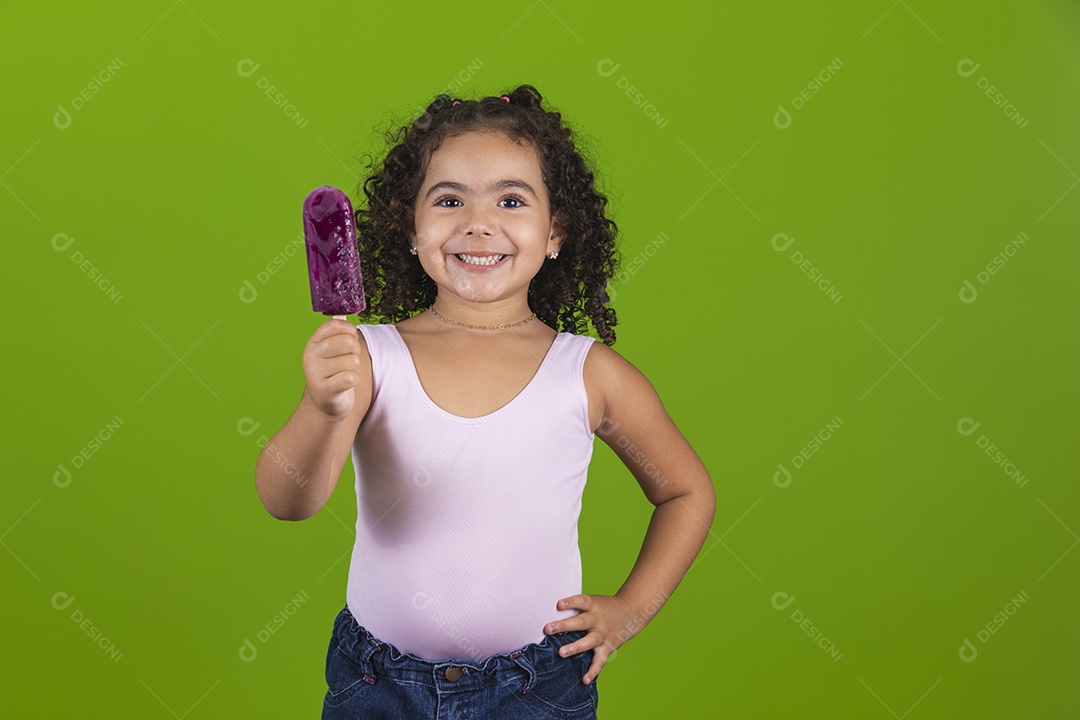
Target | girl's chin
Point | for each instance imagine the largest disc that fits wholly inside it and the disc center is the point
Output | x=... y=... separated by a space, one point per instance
x=473 y=294
x=480 y=289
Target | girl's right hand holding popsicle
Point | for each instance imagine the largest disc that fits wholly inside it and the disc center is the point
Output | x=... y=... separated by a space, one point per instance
x=337 y=370
x=299 y=466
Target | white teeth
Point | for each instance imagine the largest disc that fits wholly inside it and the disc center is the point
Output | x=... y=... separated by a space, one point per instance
x=480 y=260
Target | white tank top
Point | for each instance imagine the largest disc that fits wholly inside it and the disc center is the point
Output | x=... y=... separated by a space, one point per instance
x=466 y=529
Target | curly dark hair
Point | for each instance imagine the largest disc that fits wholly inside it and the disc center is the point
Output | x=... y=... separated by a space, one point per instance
x=567 y=294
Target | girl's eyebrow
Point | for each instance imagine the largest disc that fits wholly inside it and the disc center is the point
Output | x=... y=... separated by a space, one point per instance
x=459 y=187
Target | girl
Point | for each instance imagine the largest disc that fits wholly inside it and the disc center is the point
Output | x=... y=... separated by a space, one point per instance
x=470 y=414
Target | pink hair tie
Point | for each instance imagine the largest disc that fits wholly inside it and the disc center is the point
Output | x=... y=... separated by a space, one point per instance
x=506 y=98
x=456 y=102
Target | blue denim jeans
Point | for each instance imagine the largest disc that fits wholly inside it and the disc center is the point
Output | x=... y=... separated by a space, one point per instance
x=369 y=679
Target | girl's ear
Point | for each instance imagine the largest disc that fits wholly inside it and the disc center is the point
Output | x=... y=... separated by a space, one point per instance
x=558 y=234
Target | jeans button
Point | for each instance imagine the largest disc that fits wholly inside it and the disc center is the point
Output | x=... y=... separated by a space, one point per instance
x=453 y=674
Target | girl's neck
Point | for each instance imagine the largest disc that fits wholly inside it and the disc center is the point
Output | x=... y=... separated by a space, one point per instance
x=488 y=314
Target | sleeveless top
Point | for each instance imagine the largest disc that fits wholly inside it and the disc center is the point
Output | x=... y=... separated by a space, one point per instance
x=466 y=528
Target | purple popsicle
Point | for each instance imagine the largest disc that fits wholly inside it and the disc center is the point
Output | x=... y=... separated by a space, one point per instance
x=332 y=254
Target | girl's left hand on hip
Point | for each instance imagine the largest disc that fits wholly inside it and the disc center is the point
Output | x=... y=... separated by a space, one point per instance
x=609 y=622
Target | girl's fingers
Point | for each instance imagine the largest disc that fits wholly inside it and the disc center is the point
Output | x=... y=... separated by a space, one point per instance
x=575 y=601
x=594 y=669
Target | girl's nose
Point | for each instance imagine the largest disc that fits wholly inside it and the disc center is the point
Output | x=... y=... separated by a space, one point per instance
x=479 y=223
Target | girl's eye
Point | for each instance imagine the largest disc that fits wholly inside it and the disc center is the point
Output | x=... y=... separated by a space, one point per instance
x=514 y=199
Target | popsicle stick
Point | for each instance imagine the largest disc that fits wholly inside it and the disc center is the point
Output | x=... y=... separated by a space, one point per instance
x=339 y=317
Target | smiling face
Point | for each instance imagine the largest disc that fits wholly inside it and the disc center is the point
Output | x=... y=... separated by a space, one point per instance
x=483 y=224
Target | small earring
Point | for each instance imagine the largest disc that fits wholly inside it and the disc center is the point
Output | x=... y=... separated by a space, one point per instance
x=412 y=251
x=554 y=254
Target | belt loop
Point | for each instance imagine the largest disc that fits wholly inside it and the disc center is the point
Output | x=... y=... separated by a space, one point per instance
x=368 y=647
x=522 y=659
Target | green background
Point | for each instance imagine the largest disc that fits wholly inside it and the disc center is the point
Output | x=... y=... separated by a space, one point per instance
x=180 y=181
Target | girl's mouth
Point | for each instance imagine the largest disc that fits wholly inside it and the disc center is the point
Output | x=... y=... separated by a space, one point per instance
x=480 y=260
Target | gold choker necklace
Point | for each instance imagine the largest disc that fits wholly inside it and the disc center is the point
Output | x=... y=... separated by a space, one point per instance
x=480 y=327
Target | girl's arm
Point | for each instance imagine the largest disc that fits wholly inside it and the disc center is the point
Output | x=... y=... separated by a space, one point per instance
x=635 y=425
x=299 y=467
x=626 y=413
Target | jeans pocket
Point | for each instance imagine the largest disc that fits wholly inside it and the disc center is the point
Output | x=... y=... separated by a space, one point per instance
x=345 y=676
x=562 y=694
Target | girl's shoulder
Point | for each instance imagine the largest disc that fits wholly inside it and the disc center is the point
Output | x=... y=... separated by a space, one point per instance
x=611 y=380
x=373 y=336
x=605 y=362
